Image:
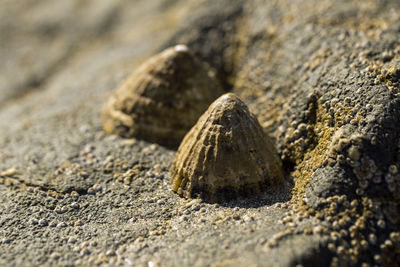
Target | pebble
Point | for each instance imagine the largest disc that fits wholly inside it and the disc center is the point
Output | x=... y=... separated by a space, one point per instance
x=110 y=253
x=381 y=224
x=55 y=255
x=75 y=205
x=62 y=225
x=61 y=210
x=43 y=222
x=72 y=240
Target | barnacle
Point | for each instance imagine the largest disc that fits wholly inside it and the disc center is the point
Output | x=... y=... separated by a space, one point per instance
x=163 y=99
x=225 y=155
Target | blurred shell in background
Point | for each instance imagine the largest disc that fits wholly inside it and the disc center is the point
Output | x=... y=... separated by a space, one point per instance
x=163 y=99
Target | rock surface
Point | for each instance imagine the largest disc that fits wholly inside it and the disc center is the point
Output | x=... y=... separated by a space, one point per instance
x=322 y=77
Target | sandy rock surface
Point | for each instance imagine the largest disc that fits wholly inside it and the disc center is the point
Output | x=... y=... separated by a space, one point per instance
x=321 y=76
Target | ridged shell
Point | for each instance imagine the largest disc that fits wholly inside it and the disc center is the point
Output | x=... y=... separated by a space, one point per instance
x=225 y=155
x=163 y=99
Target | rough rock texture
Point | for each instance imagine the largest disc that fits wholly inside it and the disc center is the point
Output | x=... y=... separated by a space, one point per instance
x=163 y=99
x=321 y=76
x=226 y=155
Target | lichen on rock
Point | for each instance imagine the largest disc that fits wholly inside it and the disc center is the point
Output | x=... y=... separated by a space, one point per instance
x=163 y=99
x=226 y=155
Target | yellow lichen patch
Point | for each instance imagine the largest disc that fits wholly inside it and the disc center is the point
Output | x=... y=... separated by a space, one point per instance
x=372 y=27
x=343 y=115
x=274 y=114
x=239 y=52
x=390 y=73
x=385 y=69
x=318 y=59
x=314 y=158
x=246 y=81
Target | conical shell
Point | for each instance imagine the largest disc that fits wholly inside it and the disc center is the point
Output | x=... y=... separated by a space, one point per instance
x=225 y=155
x=163 y=99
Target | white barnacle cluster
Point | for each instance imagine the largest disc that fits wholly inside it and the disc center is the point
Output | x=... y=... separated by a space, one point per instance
x=348 y=147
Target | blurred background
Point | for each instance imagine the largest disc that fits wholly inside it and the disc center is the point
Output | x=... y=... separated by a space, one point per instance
x=39 y=38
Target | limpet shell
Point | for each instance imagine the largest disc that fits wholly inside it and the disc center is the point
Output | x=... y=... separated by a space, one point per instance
x=163 y=99
x=225 y=155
